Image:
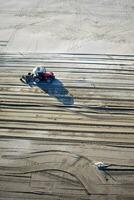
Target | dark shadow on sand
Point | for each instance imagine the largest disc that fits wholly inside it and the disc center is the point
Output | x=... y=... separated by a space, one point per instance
x=57 y=89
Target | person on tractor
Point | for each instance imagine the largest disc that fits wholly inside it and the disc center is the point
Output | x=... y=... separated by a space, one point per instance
x=38 y=71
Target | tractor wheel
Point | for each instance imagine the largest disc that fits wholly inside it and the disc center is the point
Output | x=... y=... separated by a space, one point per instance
x=37 y=80
x=50 y=79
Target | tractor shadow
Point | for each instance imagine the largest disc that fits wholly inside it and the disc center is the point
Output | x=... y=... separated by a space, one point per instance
x=57 y=89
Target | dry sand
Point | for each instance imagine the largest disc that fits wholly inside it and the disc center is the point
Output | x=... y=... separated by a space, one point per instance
x=88 y=26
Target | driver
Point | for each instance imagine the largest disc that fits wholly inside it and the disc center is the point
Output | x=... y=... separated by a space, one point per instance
x=38 y=71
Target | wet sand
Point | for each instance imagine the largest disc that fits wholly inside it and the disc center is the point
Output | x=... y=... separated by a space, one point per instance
x=50 y=142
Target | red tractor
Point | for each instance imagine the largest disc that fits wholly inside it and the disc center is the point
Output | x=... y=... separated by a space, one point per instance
x=39 y=75
x=45 y=76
